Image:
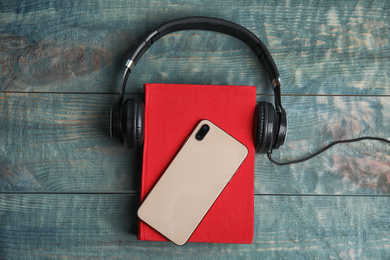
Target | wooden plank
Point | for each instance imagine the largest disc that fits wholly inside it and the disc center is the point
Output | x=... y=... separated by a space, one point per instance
x=104 y=225
x=54 y=146
x=314 y=122
x=320 y=48
x=60 y=142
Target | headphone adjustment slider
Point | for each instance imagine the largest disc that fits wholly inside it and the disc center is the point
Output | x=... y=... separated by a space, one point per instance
x=129 y=64
x=276 y=83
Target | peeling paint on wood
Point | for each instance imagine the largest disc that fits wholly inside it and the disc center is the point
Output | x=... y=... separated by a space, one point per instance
x=82 y=47
x=288 y=227
x=61 y=62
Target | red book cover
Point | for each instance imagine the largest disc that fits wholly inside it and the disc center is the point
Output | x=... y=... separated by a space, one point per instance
x=171 y=113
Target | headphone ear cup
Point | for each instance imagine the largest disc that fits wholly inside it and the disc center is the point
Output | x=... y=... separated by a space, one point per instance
x=127 y=122
x=258 y=126
x=116 y=124
x=282 y=129
x=133 y=123
x=139 y=132
x=264 y=125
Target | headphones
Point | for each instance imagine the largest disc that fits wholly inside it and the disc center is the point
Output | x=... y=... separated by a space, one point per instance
x=270 y=123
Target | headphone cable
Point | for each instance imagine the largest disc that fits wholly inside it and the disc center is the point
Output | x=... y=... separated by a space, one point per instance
x=269 y=153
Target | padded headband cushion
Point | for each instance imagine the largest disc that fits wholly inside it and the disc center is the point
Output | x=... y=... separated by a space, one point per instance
x=210 y=24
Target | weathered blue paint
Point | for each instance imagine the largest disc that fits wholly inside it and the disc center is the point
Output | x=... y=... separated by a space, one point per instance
x=320 y=48
x=103 y=225
x=61 y=63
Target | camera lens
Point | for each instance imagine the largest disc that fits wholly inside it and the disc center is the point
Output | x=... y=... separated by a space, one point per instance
x=202 y=132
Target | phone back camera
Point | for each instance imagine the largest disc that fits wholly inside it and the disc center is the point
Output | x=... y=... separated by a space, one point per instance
x=202 y=132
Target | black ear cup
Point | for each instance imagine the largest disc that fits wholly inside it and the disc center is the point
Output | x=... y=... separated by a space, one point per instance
x=127 y=123
x=264 y=127
x=115 y=124
x=133 y=123
x=282 y=131
x=258 y=126
x=128 y=120
x=140 y=123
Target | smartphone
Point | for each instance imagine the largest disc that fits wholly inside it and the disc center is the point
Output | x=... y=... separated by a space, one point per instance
x=192 y=182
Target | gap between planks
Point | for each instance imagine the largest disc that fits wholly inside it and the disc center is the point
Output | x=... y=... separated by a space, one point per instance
x=137 y=193
x=137 y=93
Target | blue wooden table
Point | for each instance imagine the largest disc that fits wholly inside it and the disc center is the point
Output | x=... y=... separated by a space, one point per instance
x=68 y=190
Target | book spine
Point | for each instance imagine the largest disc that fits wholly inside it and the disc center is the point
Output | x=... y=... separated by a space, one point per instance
x=141 y=226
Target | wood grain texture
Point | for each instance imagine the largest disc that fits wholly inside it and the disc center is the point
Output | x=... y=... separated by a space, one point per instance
x=286 y=227
x=62 y=61
x=60 y=142
x=314 y=122
x=320 y=48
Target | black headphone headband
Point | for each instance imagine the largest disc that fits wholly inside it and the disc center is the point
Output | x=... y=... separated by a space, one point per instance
x=209 y=24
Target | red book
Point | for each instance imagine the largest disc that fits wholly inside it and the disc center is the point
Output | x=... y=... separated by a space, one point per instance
x=171 y=113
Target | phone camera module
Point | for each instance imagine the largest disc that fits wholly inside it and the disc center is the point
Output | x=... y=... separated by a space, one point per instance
x=202 y=132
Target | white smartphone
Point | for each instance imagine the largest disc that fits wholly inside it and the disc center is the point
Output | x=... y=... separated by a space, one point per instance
x=192 y=182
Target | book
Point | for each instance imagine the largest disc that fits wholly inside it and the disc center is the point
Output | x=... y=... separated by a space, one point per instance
x=171 y=113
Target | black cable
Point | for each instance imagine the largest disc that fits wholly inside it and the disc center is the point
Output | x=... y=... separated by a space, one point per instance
x=326 y=148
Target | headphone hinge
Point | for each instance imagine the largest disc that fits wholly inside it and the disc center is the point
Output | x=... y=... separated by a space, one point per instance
x=129 y=64
x=276 y=83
